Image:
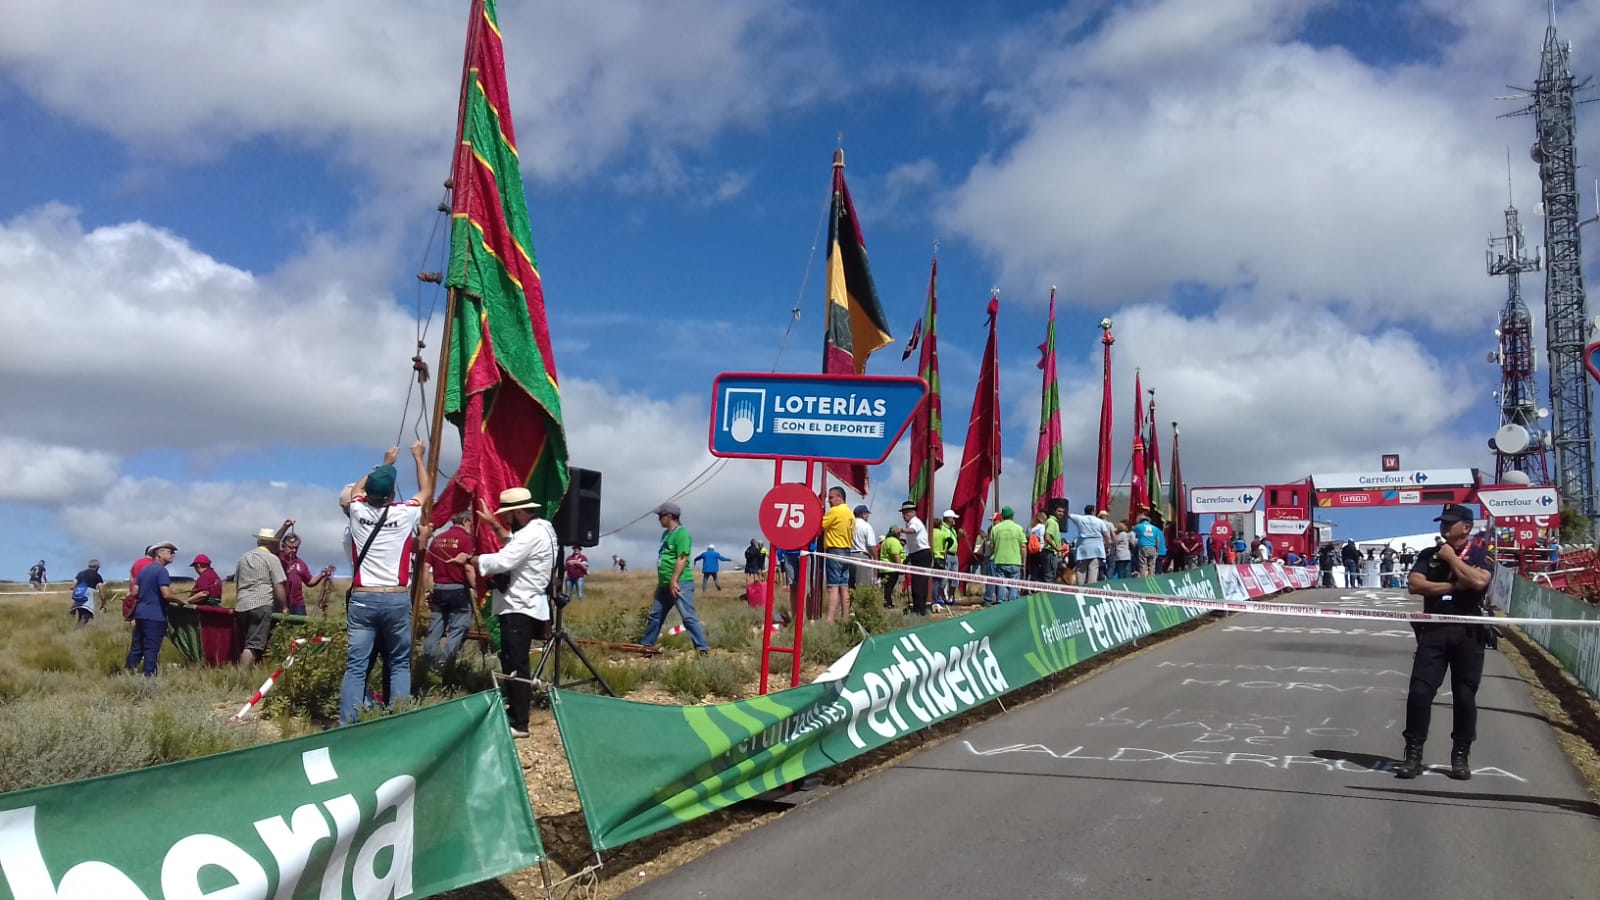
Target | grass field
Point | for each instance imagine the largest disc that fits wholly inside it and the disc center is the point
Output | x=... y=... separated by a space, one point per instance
x=69 y=711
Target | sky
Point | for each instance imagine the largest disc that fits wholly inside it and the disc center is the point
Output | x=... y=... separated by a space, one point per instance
x=212 y=217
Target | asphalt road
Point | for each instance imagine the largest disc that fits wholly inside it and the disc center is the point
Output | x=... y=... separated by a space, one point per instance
x=1250 y=759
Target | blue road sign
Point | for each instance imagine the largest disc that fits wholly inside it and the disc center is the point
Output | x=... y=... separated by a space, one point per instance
x=839 y=418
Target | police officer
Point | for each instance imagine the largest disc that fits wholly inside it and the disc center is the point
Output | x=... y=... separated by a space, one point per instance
x=1451 y=580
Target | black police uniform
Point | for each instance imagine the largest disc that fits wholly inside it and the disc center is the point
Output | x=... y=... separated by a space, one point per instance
x=1441 y=646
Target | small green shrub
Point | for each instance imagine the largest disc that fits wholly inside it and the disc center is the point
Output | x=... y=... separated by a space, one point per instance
x=726 y=676
x=735 y=628
x=311 y=686
x=617 y=624
x=824 y=642
x=684 y=679
x=49 y=656
x=866 y=608
x=622 y=676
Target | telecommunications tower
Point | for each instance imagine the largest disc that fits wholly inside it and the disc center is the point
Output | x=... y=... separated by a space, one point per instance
x=1552 y=106
x=1521 y=445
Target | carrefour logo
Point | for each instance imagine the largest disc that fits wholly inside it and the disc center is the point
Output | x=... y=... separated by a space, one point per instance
x=1215 y=499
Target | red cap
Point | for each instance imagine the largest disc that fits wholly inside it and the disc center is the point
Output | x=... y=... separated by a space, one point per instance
x=200 y=560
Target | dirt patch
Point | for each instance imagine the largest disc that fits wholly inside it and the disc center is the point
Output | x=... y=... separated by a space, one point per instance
x=566 y=837
x=1573 y=714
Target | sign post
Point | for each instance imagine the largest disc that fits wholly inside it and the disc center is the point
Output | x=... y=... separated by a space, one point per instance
x=812 y=419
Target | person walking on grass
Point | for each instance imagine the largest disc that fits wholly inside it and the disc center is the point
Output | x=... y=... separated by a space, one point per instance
x=382 y=536
x=36 y=576
x=674 y=581
x=520 y=572
x=85 y=587
x=753 y=559
x=577 y=572
x=149 y=612
x=711 y=567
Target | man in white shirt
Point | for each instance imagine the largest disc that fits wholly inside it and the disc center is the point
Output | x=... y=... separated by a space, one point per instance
x=863 y=545
x=379 y=611
x=520 y=573
x=1094 y=533
x=919 y=553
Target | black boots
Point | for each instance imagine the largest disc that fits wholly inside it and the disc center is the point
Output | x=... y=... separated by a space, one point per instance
x=1411 y=767
x=1460 y=770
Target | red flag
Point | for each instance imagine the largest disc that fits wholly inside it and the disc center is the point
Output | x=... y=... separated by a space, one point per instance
x=856 y=325
x=1178 y=499
x=1138 y=500
x=927 y=429
x=980 y=460
x=1152 y=445
x=1102 y=494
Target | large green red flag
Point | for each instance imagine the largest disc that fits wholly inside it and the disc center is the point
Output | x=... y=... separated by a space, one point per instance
x=499 y=382
x=1152 y=478
x=980 y=459
x=1049 y=478
x=856 y=325
x=927 y=429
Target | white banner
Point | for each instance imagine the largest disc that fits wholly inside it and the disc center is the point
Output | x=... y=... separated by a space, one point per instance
x=1519 y=501
x=1222 y=500
x=1288 y=526
x=1366 y=481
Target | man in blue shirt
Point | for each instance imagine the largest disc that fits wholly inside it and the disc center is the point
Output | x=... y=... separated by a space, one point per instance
x=711 y=566
x=1148 y=539
x=149 y=613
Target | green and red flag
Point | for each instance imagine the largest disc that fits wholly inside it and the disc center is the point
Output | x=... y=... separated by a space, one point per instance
x=927 y=429
x=856 y=325
x=1152 y=475
x=499 y=381
x=1139 y=497
x=980 y=458
x=1049 y=479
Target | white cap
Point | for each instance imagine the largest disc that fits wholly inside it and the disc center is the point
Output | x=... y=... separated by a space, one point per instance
x=949 y=514
x=711 y=546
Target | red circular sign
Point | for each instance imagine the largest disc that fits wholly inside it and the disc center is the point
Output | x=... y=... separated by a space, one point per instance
x=790 y=516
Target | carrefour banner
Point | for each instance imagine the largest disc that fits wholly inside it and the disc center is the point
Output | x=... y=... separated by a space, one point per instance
x=404 y=806
x=641 y=767
x=1577 y=647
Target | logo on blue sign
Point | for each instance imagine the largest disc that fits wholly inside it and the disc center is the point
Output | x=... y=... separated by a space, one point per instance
x=842 y=418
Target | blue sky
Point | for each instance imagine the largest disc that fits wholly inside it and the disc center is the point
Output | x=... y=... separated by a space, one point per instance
x=1282 y=204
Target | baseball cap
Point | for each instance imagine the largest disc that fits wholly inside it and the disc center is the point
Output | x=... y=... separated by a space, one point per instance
x=949 y=514
x=200 y=560
x=1007 y=512
x=862 y=510
x=380 y=482
x=668 y=509
x=1455 y=512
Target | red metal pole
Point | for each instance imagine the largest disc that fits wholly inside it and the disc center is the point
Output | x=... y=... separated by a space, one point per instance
x=803 y=576
x=772 y=584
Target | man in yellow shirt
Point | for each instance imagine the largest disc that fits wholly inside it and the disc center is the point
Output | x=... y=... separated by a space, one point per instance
x=838 y=530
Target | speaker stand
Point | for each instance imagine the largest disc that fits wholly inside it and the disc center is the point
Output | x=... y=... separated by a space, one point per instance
x=552 y=652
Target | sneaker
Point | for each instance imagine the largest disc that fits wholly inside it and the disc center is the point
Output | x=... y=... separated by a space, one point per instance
x=518 y=732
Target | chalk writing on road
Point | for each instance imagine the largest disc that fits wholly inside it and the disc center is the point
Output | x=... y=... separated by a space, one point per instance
x=1384 y=767
x=1297 y=670
x=1314 y=686
x=1204 y=726
x=1296 y=629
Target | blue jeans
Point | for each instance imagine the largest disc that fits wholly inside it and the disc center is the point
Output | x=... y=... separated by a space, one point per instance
x=146 y=646
x=685 y=604
x=575 y=588
x=991 y=593
x=382 y=622
x=710 y=579
x=451 y=614
x=1009 y=592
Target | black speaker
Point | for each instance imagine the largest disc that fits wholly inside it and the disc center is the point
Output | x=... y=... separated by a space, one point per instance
x=577 y=522
x=1191 y=522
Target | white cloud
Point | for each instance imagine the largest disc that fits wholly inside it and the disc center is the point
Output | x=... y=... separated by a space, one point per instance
x=1188 y=142
x=377 y=83
x=48 y=473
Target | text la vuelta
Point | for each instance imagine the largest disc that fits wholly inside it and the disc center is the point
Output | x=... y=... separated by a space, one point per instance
x=292 y=844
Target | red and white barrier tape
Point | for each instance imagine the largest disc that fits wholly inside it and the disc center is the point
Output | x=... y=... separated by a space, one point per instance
x=679 y=629
x=1270 y=609
x=273 y=678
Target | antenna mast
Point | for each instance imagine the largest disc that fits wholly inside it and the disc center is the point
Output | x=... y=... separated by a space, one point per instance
x=1553 y=108
x=1521 y=445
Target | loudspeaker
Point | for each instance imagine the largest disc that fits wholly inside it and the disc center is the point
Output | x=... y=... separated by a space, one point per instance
x=1191 y=522
x=577 y=522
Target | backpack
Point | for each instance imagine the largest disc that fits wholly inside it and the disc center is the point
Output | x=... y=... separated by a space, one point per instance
x=1035 y=544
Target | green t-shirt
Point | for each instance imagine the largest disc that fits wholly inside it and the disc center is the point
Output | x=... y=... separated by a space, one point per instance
x=1008 y=541
x=945 y=541
x=892 y=550
x=674 y=543
x=1052 y=534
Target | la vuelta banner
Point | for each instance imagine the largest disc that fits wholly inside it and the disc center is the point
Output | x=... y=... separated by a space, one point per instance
x=640 y=767
x=404 y=806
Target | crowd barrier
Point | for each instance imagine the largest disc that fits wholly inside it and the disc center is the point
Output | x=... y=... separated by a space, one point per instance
x=1576 y=646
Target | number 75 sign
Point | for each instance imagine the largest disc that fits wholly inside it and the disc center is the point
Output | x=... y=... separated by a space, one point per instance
x=791 y=516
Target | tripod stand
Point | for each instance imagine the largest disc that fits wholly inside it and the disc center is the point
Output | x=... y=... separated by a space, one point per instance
x=551 y=655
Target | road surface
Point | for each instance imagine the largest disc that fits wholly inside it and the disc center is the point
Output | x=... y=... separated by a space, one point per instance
x=1250 y=759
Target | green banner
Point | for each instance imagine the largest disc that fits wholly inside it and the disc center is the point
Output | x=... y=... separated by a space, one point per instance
x=641 y=767
x=1578 y=648
x=403 y=806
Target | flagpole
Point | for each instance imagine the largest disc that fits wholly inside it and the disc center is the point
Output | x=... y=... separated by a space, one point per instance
x=452 y=302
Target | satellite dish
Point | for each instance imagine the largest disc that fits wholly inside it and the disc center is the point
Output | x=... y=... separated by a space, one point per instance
x=1512 y=439
x=1516 y=477
x=1544 y=413
x=1536 y=153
